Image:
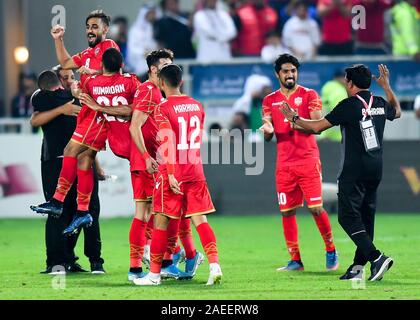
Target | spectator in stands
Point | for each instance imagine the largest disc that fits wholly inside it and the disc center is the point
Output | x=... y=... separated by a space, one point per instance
x=332 y=92
x=273 y=47
x=255 y=20
x=248 y=108
x=285 y=10
x=214 y=28
x=405 y=29
x=119 y=33
x=336 y=27
x=417 y=106
x=21 y=103
x=301 y=33
x=140 y=39
x=173 y=31
x=370 y=40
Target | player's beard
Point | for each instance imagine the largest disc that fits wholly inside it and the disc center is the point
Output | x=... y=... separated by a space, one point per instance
x=289 y=84
x=97 y=40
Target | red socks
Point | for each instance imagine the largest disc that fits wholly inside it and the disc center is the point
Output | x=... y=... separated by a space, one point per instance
x=157 y=249
x=149 y=230
x=137 y=241
x=290 y=230
x=208 y=241
x=84 y=188
x=324 y=226
x=172 y=230
x=67 y=176
x=185 y=235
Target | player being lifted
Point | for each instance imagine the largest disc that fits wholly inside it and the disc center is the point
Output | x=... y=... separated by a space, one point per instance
x=181 y=187
x=88 y=62
x=114 y=91
x=298 y=172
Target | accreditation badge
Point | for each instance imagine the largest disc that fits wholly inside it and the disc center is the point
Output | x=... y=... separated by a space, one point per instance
x=369 y=136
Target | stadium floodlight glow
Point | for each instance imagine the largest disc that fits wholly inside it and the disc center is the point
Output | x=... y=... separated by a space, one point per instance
x=21 y=55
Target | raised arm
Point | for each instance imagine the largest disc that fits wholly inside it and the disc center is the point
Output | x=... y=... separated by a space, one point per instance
x=64 y=58
x=383 y=81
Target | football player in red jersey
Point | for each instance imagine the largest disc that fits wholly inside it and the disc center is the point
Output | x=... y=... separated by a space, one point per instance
x=298 y=172
x=181 y=188
x=89 y=61
x=115 y=92
x=144 y=131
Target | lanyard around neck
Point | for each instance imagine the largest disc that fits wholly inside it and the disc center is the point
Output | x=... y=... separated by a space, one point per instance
x=365 y=105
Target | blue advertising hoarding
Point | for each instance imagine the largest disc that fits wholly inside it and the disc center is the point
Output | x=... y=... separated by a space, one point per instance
x=226 y=81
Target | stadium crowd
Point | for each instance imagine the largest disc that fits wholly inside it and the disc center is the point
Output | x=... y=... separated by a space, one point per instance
x=218 y=30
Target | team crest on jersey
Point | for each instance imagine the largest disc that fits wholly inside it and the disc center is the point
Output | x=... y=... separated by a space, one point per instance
x=97 y=51
x=298 y=101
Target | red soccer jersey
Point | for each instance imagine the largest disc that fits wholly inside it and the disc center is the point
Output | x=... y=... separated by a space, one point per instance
x=293 y=147
x=181 y=118
x=92 y=57
x=335 y=27
x=118 y=89
x=147 y=98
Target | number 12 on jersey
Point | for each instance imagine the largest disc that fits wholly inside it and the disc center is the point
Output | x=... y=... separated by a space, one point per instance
x=185 y=128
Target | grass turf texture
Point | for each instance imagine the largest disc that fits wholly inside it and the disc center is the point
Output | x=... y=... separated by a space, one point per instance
x=251 y=248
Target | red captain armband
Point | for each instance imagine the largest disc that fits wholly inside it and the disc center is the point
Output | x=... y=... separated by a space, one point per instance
x=145 y=155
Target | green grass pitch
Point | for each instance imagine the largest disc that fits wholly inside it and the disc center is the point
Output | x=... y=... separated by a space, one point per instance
x=250 y=248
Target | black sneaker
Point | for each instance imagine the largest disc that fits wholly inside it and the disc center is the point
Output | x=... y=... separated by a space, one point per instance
x=52 y=207
x=74 y=267
x=379 y=267
x=55 y=270
x=97 y=268
x=354 y=272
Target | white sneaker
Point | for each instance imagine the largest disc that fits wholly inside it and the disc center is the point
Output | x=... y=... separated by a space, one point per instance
x=146 y=256
x=148 y=280
x=215 y=276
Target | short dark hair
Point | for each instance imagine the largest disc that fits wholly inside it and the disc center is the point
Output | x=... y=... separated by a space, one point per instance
x=171 y=74
x=301 y=3
x=360 y=75
x=285 y=58
x=47 y=80
x=120 y=19
x=106 y=19
x=163 y=3
x=112 y=60
x=153 y=57
x=56 y=69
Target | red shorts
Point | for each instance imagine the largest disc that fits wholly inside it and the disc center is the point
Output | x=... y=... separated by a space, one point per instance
x=91 y=130
x=196 y=199
x=295 y=182
x=143 y=183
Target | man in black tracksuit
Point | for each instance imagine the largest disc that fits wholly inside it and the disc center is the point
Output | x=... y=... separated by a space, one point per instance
x=55 y=112
x=362 y=119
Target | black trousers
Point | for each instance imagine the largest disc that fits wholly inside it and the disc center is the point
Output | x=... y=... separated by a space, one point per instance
x=356 y=214
x=60 y=249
